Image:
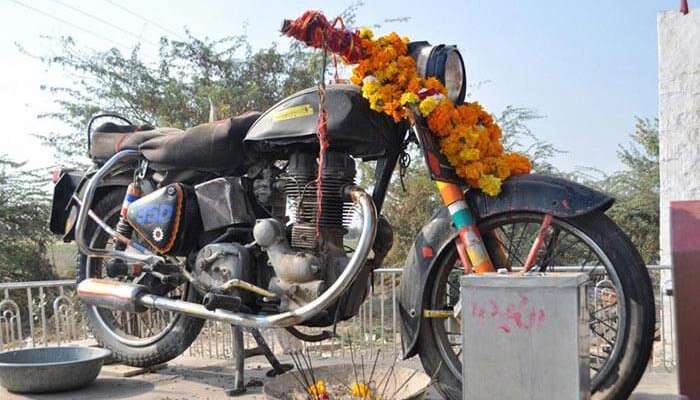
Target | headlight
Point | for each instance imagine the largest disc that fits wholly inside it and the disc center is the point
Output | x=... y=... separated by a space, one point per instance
x=444 y=63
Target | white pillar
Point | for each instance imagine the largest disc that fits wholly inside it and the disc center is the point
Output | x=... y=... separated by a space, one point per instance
x=679 y=113
x=679 y=135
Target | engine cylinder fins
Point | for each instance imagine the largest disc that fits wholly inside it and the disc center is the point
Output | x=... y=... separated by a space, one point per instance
x=301 y=189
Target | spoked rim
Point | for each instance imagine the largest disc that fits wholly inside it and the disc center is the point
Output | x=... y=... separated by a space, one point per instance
x=515 y=234
x=107 y=318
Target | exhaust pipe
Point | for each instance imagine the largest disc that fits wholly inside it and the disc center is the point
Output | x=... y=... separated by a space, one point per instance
x=136 y=298
x=121 y=296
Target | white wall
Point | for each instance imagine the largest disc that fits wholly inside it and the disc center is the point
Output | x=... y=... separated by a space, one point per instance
x=679 y=113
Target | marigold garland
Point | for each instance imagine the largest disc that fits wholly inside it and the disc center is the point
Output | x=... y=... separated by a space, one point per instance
x=469 y=137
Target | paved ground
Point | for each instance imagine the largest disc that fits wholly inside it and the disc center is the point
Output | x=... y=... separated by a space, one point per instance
x=190 y=378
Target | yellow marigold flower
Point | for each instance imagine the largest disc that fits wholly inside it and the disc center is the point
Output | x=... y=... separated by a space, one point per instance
x=429 y=103
x=366 y=33
x=360 y=390
x=370 y=86
x=408 y=98
x=318 y=388
x=469 y=154
x=490 y=185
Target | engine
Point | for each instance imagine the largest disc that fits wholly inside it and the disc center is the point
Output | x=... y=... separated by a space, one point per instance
x=301 y=191
x=302 y=246
x=305 y=261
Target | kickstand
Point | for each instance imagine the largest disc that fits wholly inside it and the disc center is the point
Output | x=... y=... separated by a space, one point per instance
x=240 y=353
x=238 y=362
x=277 y=367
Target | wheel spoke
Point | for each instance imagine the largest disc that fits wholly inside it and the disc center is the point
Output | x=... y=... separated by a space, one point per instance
x=550 y=248
x=520 y=240
x=510 y=254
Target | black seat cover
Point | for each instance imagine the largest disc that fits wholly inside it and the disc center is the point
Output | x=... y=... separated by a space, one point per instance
x=213 y=146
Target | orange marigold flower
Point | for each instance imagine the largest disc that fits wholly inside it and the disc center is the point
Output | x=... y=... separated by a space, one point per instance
x=494 y=132
x=472 y=170
x=502 y=167
x=519 y=164
x=468 y=113
x=414 y=85
x=434 y=83
x=440 y=119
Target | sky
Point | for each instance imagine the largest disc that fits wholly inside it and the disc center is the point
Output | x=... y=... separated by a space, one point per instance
x=589 y=67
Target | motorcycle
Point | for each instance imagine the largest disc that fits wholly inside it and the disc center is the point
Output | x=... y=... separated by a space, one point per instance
x=239 y=221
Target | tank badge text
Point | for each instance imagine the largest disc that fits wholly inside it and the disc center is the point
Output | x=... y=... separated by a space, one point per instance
x=303 y=110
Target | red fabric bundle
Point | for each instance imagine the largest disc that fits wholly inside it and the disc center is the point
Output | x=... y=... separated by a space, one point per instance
x=313 y=29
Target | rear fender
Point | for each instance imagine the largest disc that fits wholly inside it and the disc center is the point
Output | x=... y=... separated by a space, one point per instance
x=524 y=193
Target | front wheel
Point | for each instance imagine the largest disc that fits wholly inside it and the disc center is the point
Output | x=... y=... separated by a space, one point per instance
x=620 y=297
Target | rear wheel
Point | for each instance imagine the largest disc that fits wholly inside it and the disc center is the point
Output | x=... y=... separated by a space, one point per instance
x=137 y=339
x=620 y=298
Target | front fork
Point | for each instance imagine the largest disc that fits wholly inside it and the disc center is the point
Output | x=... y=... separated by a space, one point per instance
x=470 y=247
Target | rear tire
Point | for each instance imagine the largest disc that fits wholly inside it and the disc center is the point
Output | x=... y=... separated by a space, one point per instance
x=636 y=337
x=144 y=354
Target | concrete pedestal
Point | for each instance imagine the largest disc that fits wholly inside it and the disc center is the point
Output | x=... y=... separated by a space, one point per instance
x=525 y=337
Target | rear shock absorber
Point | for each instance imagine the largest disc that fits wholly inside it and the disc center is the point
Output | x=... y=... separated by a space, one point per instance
x=118 y=267
x=133 y=192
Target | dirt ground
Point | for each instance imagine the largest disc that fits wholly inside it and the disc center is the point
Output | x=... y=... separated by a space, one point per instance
x=198 y=379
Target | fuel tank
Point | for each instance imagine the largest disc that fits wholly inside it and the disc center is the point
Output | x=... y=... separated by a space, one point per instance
x=352 y=126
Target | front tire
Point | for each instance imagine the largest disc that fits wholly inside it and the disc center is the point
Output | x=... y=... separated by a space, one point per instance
x=123 y=333
x=625 y=283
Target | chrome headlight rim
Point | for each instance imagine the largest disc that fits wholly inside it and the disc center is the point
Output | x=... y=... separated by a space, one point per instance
x=432 y=61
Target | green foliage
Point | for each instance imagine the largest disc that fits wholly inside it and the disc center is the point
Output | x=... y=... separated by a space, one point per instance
x=636 y=189
x=176 y=89
x=24 y=214
x=518 y=137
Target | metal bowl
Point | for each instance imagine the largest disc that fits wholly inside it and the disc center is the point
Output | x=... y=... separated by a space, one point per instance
x=50 y=369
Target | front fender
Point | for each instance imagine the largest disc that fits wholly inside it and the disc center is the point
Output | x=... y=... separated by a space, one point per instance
x=528 y=193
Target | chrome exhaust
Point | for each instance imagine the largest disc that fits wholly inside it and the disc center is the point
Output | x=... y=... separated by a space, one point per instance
x=121 y=296
x=130 y=297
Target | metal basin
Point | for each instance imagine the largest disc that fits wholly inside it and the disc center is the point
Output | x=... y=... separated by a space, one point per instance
x=50 y=369
x=396 y=384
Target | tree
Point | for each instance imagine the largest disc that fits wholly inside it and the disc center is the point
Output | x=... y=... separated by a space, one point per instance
x=636 y=189
x=176 y=90
x=24 y=213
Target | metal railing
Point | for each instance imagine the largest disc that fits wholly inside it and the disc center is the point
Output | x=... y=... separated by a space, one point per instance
x=46 y=313
x=39 y=313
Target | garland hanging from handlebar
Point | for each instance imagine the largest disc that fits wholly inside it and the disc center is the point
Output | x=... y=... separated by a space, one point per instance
x=468 y=135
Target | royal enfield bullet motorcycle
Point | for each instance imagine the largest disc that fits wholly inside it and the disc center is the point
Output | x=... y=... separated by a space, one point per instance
x=239 y=221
